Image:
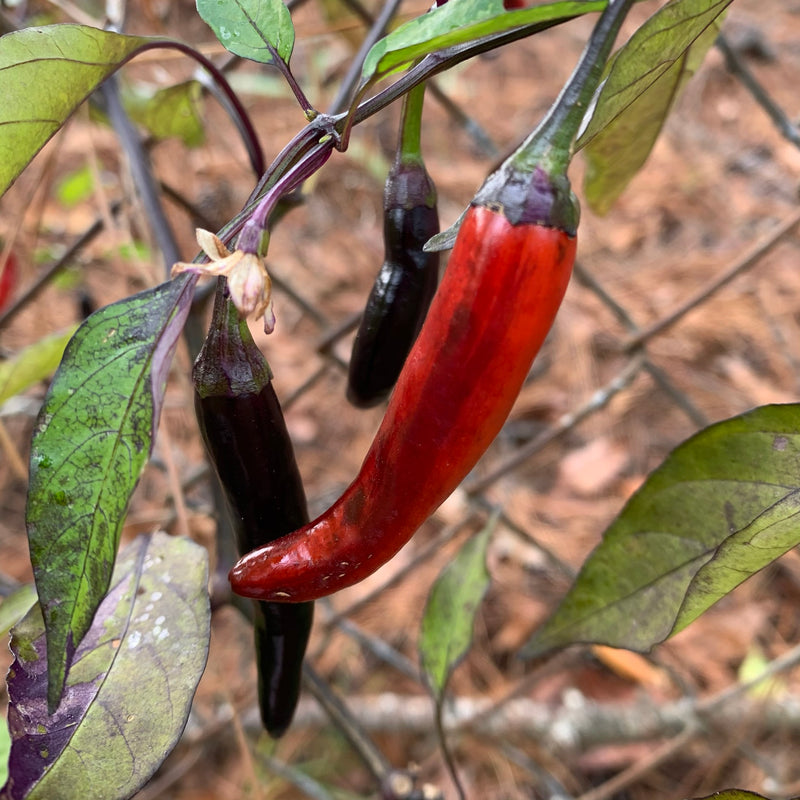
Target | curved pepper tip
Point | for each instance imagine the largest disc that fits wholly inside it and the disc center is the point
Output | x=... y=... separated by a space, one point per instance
x=244 y=582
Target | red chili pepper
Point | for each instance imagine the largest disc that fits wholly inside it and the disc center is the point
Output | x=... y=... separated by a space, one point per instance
x=504 y=283
x=497 y=301
x=8 y=279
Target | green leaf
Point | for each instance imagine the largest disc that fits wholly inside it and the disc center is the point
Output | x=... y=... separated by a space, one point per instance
x=45 y=74
x=459 y=23
x=722 y=506
x=16 y=606
x=449 y=617
x=648 y=54
x=32 y=364
x=76 y=187
x=644 y=81
x=130 y=687
x=171 y=112
x=254 y=29
x=91 y=441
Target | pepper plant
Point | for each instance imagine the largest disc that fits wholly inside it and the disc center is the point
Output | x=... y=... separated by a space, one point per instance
x=117 y=641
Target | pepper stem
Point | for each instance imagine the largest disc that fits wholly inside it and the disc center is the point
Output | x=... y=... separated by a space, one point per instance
x=410 y=146
x=550 y=146
x=254 y=236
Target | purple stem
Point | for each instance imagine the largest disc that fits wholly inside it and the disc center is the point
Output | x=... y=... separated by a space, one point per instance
x=250 y=136
x=252 y=235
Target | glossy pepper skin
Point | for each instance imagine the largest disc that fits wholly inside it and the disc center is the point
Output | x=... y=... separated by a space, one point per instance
x=245 y=434
x=403 y=290
x=8 y=278
x=504 y=283
x=499 y=296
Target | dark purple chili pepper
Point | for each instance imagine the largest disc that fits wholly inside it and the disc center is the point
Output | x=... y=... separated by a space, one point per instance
x=407 y=280
x=245 y=434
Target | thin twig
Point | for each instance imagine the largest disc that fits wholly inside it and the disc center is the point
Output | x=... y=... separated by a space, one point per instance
x=199 y=217
x=447 y=755
x=740 y=265
x=311 y=380
x=347 y=724
x=680 y=398
x=552 y=559
x=468 y=123
x=422 y=555
x=789 y=659
x=296 y=777
x=51 y=271
x=597 y=401
x=737 y=67
x=377 y=29
x=338 y=331
x=554 y=789
x=638 y=770
x=375 y=645
x=158 y=786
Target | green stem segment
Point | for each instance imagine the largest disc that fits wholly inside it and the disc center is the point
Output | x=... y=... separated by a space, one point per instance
x=531 y=186
x=550 y=146
x=410 y=147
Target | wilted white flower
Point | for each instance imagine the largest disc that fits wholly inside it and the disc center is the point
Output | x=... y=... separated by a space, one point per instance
x=248 y=281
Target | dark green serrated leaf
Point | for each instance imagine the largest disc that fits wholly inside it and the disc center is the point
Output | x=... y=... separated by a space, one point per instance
x=249 y=28
x=92 y=438
x=722 y=506
x=617 y=151
x=173 y=112
x=130 y=686
x=449 y=618
x=459 y=23
x=45 y=74
x=648 y=54
x=34 y=363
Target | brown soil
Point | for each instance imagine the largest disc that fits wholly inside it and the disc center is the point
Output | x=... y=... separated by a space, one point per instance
x=720 y=178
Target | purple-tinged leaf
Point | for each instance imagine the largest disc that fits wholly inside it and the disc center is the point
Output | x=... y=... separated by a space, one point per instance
x=92 y=439
x=129 y=689
x=721 y=507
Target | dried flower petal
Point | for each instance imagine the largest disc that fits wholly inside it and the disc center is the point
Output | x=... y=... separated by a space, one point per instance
x=211 y=244
x=249 y=283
